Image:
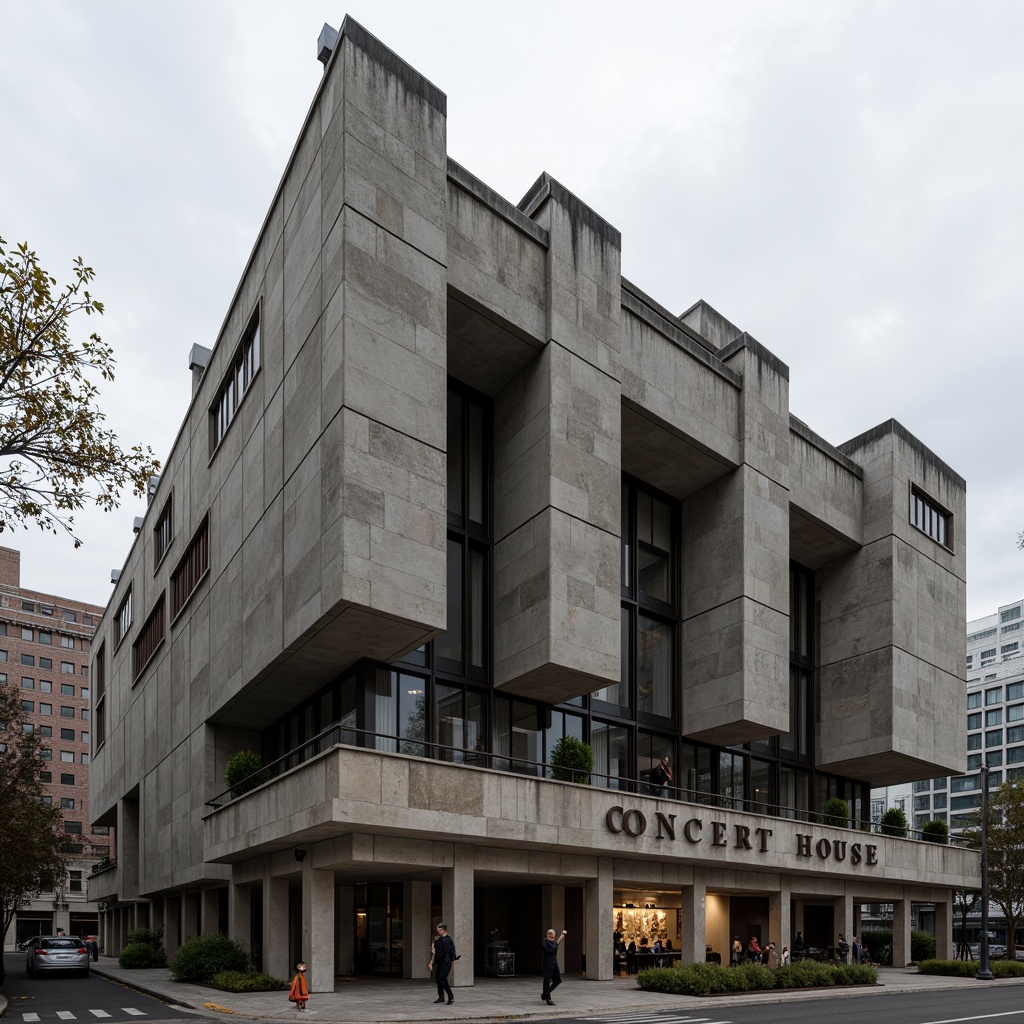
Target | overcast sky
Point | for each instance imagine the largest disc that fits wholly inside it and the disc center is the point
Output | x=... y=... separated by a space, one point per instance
x=843 y=180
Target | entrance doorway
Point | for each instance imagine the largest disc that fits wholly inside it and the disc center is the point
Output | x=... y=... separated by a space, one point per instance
x=380 y=929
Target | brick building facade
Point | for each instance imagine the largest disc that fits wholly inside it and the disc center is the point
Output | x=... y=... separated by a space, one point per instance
x=45 y=645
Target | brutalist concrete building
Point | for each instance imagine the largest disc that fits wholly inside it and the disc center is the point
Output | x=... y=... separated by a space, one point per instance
x=451 y=492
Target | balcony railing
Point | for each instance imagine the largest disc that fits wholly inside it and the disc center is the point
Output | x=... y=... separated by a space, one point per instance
x=348 y=736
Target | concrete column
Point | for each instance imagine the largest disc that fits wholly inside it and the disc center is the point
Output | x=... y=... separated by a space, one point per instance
x=552 y=915
x=210 y=912
x=599 y=896
x=797 y=924
x=901 y=933
x=694 y=923
x=779 y=926
x=318 y=924
x=345 y=929
x=189 y=917
x=171 y=926
x=128 y=848
x=457 y=888
x=240 y=915
x=418 y=928
x=843 y=919
x=944 y=948
x=275 y=927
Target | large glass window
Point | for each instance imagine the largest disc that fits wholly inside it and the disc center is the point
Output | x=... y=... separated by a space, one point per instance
x=518 y=737
x=400 y=710
x=460 y=716
x=612 y=766
x=464 y=649
x=650 y=615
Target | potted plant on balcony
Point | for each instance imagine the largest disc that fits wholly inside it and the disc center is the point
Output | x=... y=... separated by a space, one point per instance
x=894 y=823
x=836 y=812
x=571 y=760
x=245 y=771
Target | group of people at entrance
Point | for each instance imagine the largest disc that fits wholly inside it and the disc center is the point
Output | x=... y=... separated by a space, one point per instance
x=769 y=956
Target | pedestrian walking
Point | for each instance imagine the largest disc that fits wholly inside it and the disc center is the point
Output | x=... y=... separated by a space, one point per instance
x=549 y=955
x=299 y=993
x=441 y=960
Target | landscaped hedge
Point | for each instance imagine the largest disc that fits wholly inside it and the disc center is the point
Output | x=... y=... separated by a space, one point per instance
x=713 y=979
x=969 y=968
x=879 y=941
x=140 y=955
x=199 y=959
x=240 y=981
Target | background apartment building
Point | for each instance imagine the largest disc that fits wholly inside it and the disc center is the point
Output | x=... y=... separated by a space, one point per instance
x=45 y=644
x=995 y=720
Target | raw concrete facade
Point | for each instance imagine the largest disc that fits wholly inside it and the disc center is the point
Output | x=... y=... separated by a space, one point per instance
x=300 y=530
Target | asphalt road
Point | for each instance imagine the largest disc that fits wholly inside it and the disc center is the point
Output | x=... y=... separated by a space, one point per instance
x=66 y=999
x=1003 y=1005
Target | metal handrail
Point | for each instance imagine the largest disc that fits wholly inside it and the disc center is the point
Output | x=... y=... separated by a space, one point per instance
x=431 y=750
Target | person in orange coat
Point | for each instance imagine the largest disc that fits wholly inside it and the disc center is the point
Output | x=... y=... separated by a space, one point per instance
x=299 y=993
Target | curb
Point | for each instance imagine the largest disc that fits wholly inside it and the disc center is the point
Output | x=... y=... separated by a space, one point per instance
x=3 y=1002
x=120 y=979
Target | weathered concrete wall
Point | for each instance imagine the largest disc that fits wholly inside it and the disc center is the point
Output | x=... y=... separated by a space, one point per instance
x=403 y=800
x=892 y=624
x=558 y=471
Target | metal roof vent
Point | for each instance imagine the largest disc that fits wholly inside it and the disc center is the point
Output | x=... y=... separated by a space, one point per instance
x=151 y=485
x=198 y=360
x=137 y=525
x=115 y=575
x=326 y=43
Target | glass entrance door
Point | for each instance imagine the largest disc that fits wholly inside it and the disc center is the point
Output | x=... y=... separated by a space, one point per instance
x=380 y=939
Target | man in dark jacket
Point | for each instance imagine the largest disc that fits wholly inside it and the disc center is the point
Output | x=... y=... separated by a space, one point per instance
x=441 y=960
x=549 y=957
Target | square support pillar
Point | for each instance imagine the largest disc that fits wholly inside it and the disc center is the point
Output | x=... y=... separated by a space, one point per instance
x=345 y=929
x=275 y=927
x=552 y=915
x=172 y=924
x=844 y=920
x=693 y=940
x=600 y=922
x=189 y=917
x=796 y=925
x=779 y=926
x=240 y=915
x=418 y=929
x=318 y=924
x=210 y=912
x=457 y=886
x=944 y=928
x=901 y=933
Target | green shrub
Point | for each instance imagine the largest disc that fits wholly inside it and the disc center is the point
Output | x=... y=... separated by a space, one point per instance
x=879 y=944
x=969 y=968
x=571 y=760
x=140 y=955
x=146 y=937
x=712 y=979
x=240 y=981
x=836 y=812
x=935 y=831
x=922 y=946
x=243 y=772
x=894 y=823
x=199 y=959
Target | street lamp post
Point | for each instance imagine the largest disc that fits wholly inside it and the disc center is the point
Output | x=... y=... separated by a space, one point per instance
x=984 y=971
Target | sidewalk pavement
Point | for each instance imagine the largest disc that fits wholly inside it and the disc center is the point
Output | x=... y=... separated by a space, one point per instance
x=368 y=1000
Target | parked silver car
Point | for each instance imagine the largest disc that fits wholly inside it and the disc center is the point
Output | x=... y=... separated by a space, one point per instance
x=56 y=953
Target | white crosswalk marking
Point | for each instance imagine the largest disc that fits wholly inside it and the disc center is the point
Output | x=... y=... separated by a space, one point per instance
x=66 y=1015
x=29 y=1017
x=133 y=1011
x=653 y=1018
x=99 y=1013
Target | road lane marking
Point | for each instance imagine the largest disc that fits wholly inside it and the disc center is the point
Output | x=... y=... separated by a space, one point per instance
x=981 y=1016
x=30 y=1017
x=66 y=1015
x=133 y=1011
x=99 y=1013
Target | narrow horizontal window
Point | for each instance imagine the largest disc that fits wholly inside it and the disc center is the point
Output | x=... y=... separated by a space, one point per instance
x=151 y=636
x=192 y=568
x=236 y=383
x=930 y=518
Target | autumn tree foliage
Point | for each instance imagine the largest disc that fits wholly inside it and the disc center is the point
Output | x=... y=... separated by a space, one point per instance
x=33 y=846
x=56 y=455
